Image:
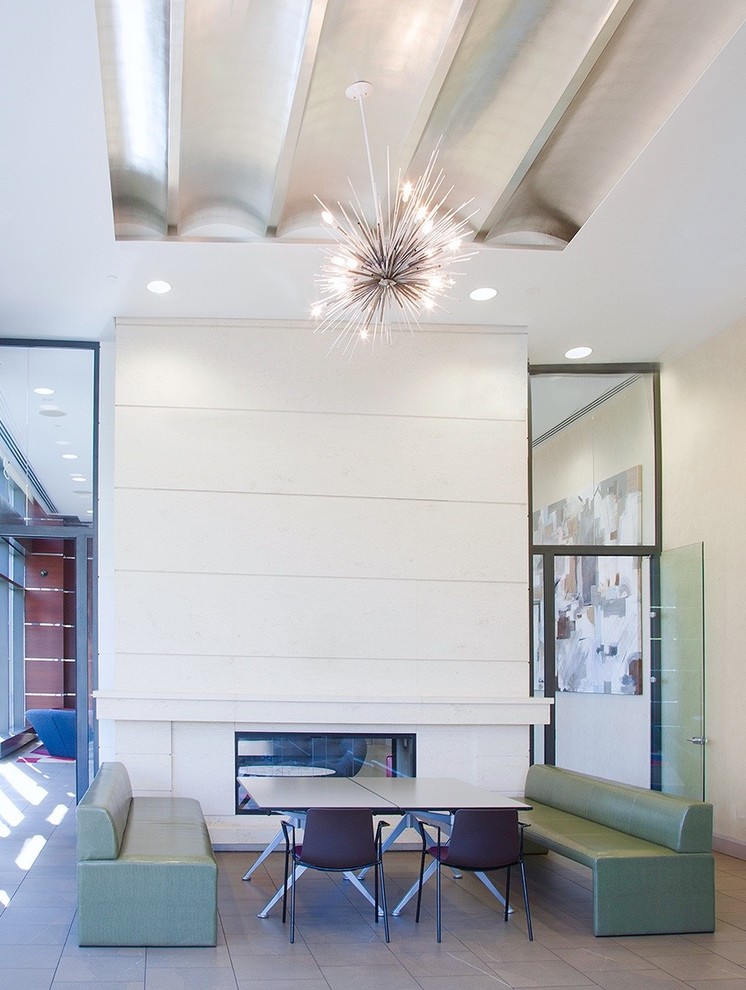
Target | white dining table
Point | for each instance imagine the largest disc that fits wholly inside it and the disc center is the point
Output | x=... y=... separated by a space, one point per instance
x=433 y=799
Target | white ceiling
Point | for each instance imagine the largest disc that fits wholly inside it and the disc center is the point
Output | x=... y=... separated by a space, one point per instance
x=656 y=266
x=610 y=131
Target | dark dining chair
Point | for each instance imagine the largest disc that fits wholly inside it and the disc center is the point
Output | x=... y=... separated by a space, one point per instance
x=481 y=840
x=339 y=840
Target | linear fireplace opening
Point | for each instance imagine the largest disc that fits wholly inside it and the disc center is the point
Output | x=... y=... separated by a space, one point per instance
x=321 y=754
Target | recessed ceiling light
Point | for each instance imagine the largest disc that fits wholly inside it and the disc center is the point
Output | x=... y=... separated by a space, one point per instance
x=50 y=409
x=159 y=287
x=578 y=352
x=70 y=457
x=78 y=477
x=63 y=443
x=482 y=295
x=44 y=391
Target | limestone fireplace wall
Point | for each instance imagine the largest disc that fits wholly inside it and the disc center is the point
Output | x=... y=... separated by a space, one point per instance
x=303 y=540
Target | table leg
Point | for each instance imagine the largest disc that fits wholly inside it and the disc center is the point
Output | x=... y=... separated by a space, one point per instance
x=413 y=889
x=267 y=850
x=492 y=889
x=405 y=822
x=264 y=913
x=366 y=893
x=426 y=876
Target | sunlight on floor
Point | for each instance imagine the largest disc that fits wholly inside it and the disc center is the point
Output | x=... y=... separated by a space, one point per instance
x=28 y=789
x=57 y=814
x=31 y=849
x=9 y=811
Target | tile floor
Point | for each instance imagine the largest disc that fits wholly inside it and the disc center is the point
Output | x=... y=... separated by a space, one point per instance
x=338 y=947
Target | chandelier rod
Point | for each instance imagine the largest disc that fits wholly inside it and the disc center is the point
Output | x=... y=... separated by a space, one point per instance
x=359 y=91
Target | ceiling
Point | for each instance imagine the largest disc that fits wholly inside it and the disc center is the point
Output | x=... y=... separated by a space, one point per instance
x=608 y=135
x=225 y=118
x=603 y=143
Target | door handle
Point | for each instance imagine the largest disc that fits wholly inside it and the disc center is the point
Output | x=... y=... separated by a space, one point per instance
x=697 y=740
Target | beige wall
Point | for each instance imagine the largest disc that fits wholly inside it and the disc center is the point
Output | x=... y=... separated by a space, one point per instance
x=302 y=538
x=703 y=399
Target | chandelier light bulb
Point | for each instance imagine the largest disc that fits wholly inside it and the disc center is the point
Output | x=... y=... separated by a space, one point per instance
x=395 y=265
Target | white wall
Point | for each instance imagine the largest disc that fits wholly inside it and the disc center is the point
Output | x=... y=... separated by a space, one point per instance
x=604 y=735
x=296 y=527
x=704 y=473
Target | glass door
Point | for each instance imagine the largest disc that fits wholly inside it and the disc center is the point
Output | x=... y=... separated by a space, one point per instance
x=679 y=740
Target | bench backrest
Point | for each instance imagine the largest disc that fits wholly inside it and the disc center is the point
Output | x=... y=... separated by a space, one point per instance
x=102 y=813
x=674 y=822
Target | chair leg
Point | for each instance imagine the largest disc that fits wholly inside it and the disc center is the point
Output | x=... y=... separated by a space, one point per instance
x=419 y=888
x=437 y=901
x=285 y=886
x=384 y=904
x=507 y=894
x=375 y=890
x=292 y=904
x=525 y=902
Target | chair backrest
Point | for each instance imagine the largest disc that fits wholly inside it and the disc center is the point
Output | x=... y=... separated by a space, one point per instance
x=484 y=838
x=338 y=838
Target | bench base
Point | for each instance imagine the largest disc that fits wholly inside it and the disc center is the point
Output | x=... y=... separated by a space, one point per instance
x=639 y=888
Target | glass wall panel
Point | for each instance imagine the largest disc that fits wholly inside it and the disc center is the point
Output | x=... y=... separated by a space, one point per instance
x=46 y=435
x=595 y=505
x=48 y=470
x=322 y=754
x=537 y=641
x=593 y=459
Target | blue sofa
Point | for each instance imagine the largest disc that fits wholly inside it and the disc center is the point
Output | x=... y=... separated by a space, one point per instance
x=55 y=727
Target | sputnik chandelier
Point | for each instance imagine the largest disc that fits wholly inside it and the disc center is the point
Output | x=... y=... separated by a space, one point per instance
x=382 y=275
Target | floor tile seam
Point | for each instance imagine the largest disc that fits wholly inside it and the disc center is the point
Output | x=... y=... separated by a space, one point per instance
x=62 y=950
x=221 y=933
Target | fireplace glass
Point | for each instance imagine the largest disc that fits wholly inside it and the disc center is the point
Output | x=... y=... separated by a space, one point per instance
x=323 y=754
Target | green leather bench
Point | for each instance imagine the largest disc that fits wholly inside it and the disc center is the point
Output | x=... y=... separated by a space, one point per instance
x=650 y=853
x=146 y=870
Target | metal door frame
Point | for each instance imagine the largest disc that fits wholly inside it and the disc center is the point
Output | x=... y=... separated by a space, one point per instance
x=548 y=553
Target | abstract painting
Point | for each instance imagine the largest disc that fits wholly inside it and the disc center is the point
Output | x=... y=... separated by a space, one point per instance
x=598 y=624
x=598 y=617
x=609 y=515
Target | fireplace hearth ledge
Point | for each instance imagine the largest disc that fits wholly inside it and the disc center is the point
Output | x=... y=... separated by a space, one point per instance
x=323 y=711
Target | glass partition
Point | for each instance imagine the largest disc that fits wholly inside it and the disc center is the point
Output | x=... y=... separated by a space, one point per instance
x=48 y=476
x=679 y=737
x=322 y=754
x=47 y=435
x=595 y=470
x=593 y=459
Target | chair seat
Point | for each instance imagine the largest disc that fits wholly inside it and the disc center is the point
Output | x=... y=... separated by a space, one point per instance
x=333 y=860
x=445 y=855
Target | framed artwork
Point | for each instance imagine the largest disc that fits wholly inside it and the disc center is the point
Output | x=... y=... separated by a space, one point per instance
x=598 y=624
x=597 y=599
x=608 y=515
